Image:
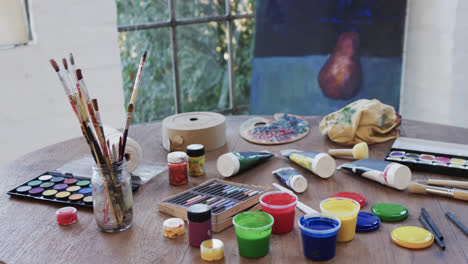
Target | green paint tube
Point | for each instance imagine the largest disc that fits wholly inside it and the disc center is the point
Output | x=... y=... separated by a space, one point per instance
x=231 y=163
x=321 y=164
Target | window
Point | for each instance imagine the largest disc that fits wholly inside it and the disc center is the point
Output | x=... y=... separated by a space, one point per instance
x=14 y=24
x=199 y=59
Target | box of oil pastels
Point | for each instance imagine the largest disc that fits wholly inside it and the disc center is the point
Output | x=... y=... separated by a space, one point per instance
x=430 y=156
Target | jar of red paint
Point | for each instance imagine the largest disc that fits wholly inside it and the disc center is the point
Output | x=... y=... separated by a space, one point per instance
x=282 y=206
x=177 y=163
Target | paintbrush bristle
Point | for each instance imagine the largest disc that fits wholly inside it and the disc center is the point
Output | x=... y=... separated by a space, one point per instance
x=72 y=60
x=79 y=75
x=64 y=61
x=54 y=65
x=144 y=56
x=415 y=187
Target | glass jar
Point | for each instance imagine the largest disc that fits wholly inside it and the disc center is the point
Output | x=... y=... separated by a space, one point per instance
x=112 y=197
x=177 y=164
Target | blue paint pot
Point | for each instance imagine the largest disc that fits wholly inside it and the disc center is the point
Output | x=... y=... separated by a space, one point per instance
x=319 y=234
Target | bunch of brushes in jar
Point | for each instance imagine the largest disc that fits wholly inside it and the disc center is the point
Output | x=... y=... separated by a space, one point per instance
x=87 y=112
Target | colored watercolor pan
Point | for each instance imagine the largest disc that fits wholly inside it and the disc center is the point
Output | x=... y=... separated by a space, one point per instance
x=88 y=199
x=457 y=166
x=70 y=181
x=397 y=154
x=62 y=195
x=34 y=183
x=427 y=157
x=83 y=183
x=49 y=193
x=85 y=191
x=73 y=188
x=412 y=156
x=23 y=189
x=47 y=185
x=443 y=159
x=75 y=197
x=36 y=191
x=427 y=162
x=458 y=161
x=57 y=179
x=45 y=178
x=60 y=186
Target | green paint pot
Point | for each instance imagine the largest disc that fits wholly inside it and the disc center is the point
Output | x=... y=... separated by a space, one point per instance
x=253 y=231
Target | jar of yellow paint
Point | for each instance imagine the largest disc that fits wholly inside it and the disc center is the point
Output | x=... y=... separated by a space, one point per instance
x=212 y=249
x=347 y=211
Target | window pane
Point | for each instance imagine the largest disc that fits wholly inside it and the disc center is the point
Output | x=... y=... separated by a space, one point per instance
x=199 y=8
x=243 y=43
x=155 y=96
x=243 y=6
x=202 y=54
x=133 y=12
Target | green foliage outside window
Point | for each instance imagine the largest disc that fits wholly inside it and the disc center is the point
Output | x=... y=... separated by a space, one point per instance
x=202 y=56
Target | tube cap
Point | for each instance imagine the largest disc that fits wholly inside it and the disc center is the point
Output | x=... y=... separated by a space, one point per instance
x=298 y=183
x=398 y=176
x=228 y=164
x=412 y=237
x=367 y=222
x=198 y=213
x=323 y=165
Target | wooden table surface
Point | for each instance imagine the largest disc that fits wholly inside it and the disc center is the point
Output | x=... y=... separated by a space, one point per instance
x=29 y=233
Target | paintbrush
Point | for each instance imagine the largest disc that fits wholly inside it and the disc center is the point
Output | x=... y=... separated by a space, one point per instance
x=444 y=182
x=130 y=108
x=72 y=66
x=459 y=194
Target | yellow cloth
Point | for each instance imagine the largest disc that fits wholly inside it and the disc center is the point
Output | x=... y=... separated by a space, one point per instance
x=363 y=120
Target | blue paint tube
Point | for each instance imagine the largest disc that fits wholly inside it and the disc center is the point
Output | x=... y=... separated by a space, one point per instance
x=292 y=178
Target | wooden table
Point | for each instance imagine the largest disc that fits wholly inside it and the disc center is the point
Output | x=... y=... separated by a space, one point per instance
x=29 y=233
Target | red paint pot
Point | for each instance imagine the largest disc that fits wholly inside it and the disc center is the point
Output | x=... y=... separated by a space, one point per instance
x=282 y=206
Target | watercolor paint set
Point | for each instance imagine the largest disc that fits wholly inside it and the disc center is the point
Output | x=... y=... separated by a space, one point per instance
x=225 y=199
x=64 y=188
x=430 y=156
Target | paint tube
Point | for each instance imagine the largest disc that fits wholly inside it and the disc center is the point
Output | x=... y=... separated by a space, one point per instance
x=321 y=164
x=292 y=178
x=388 y=173
x=231 y=163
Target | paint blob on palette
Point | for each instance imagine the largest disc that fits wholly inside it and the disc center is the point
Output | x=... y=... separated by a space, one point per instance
x=286 y=128
x=452 y=165
x=59 y=188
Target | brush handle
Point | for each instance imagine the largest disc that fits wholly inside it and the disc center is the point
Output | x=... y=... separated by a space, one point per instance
x=460 y=194
x=340 y=152
x=447 y=183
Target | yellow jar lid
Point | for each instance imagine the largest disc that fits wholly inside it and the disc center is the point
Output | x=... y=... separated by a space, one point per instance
x=412 y=237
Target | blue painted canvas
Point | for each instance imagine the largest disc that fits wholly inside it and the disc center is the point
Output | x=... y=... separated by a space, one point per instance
x=316 y=56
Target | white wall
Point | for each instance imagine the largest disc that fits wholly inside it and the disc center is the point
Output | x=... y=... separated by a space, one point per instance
x=435 y=62
x=34 y=111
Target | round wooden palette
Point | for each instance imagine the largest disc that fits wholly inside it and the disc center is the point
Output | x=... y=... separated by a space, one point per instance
x=285 y=128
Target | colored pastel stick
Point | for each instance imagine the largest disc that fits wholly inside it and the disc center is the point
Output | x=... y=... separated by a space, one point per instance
x=433 y=225
x=457 y=222
x=429 y=228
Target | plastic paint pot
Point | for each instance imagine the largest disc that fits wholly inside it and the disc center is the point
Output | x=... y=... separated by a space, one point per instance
x=282 y=206
x=253 y=231
x=347 y=211
x=319 y=233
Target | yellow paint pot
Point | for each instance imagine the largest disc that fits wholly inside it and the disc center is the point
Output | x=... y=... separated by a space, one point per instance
x=347 y=211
